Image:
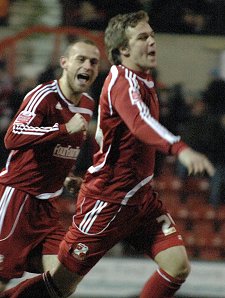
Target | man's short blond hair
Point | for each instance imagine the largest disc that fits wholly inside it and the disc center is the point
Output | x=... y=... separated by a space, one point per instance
x=115 y=33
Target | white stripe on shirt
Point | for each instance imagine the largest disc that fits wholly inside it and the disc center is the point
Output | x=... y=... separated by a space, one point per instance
x=145 y=113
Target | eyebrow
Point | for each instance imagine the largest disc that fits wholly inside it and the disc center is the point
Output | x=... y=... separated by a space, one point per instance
x=147 y=33
x=93 y=59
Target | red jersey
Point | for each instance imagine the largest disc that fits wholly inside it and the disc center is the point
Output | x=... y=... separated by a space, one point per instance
x=42 y=151
x=128 y=134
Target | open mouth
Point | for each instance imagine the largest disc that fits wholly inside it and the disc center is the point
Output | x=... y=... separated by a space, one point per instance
x=83 y=77
x=151 y=53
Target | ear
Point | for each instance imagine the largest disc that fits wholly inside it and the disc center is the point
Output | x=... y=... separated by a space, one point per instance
x=125 y=51
x=63 y=62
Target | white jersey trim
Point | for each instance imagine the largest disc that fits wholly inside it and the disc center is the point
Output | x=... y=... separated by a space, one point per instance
x=91 y=216
x=144 y=110
x=80 y=110
x=114 y=72
x=31 y=130
x=36 y=99
x=7 y=163
x=135 y=189
x=5 y=200
x=71 y=106
x=49 y=195
x=93 y=169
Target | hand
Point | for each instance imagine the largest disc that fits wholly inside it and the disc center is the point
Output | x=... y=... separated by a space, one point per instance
x=73 y=184
x=195 y=162
x=76 y=124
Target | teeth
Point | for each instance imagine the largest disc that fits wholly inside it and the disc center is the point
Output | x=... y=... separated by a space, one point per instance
x=82 y=80
x=83 y=77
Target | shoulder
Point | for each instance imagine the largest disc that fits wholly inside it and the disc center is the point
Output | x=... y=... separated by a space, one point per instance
x=87 y=101
x=116 y=77
x=42 y=91
x=40 y=97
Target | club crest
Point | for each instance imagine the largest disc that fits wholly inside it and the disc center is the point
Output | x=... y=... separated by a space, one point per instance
x=80 y=251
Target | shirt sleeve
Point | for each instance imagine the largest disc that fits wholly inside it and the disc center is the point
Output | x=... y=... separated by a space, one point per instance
x=136 y=114
x=27 y=128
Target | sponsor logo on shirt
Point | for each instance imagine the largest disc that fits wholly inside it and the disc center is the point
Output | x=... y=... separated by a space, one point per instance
x=66 y=152
x=80 y=251
x=25 y=117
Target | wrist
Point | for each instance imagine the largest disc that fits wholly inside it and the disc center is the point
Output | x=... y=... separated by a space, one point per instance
x=178 y=147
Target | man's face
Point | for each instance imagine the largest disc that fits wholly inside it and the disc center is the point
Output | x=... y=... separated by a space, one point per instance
x=81 y=67
x=141 y=48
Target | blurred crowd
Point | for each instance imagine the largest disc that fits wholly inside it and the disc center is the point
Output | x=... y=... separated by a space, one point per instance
x=170 y=16
x=200 y=120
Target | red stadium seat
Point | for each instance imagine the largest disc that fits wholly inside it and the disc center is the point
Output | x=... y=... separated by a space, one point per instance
x=174 y=205
x=203 y=228
x=189 y=238
x=197 y=185
x=202 y=211
x=220 y=213
x=221 y=226
x=169 y=183
x=182 y=224
x=210 y=254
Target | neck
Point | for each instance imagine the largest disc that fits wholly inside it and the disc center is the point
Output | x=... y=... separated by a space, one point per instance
x=75 y=99
x=68 y=93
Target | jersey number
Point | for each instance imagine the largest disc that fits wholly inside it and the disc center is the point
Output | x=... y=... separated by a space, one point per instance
x=166 y=221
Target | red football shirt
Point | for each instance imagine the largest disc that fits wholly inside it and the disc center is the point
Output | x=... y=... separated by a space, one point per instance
x=128 y=134
x=42 y=152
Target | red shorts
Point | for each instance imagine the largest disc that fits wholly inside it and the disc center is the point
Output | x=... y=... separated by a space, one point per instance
x=27 y=225
x=98 y=226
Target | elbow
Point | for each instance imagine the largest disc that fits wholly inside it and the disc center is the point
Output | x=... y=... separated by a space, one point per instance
x=8 y=146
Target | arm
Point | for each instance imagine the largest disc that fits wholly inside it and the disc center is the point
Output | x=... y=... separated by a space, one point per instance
x=27 y=129
x=142 y=124
x=146 y=128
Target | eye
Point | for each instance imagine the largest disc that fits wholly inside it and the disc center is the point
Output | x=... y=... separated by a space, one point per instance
x=81 y=59
x=143 y=37
x=94 y=61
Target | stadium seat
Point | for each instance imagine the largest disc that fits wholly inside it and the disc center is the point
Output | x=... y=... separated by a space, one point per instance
x=197 y=185
x=210 y=254
x=201 y=211
x=220 y=213
x=182 y=224
x=203 y=228
x=169 y=183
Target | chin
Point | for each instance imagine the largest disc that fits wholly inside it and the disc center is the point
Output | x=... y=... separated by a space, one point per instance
x=83 y=87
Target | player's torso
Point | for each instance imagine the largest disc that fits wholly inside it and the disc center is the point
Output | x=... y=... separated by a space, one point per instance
x=127 y=161
x=43 y=167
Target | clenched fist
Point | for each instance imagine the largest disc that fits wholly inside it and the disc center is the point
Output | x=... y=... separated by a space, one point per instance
x=76 y=124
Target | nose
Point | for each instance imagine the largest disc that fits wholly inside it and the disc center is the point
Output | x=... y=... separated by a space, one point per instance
x=87 y=64
x=151 y=40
